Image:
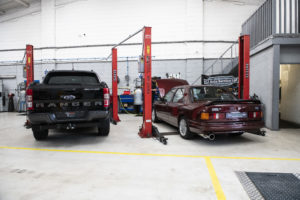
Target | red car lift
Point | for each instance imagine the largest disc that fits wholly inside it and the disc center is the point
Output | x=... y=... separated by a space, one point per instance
x=29 y=64
x=244 y=66
x=147 y=129
x=115 y=85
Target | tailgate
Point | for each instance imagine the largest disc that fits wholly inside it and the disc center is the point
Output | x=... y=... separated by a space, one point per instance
x=67 y=100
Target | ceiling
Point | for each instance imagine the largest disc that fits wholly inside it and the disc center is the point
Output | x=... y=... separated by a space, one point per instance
x=8 y=5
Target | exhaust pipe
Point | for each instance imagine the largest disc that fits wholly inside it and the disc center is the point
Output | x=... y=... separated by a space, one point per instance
x=211 y=137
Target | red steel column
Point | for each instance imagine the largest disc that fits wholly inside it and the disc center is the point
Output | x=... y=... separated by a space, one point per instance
x=115 y=84
x=29 y=64
x=244 y=66
x=146 y=130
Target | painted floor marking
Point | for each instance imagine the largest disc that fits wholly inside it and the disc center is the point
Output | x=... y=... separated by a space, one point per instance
x=216 y=184
x=214 y=179
x=148 y=154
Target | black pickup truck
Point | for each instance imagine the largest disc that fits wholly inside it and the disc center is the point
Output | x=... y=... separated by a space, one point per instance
x=68 y=99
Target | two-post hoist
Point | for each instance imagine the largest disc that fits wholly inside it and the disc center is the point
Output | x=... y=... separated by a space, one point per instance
x=147 y=129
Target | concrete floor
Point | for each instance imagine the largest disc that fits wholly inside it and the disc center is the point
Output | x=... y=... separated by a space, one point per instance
x=156 y=171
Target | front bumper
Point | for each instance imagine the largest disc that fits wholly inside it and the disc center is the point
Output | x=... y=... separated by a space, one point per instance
x=225 y=127
x=51 y=118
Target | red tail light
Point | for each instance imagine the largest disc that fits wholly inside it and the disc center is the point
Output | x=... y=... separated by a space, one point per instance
x=207 y=116
x=255 y=115
x=29 y=99
x=106 y=97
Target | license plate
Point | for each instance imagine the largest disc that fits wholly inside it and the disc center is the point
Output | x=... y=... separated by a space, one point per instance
x=236 y=115
x=70 y=114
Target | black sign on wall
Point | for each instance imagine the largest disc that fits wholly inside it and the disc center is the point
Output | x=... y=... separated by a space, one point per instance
x=219 y=80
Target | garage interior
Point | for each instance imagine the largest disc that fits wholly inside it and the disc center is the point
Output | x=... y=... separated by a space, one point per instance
x=129 y=44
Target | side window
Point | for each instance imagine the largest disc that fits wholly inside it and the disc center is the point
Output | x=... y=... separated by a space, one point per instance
x=169 y=95
x=178 y=96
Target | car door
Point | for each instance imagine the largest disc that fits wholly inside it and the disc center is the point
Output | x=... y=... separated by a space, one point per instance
x=173 y=106
x=162 y=108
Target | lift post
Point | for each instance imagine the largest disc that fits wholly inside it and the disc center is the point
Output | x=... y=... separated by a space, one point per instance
x=115 y=85
x=146 y=129
x=244 y=66
x=29 y=64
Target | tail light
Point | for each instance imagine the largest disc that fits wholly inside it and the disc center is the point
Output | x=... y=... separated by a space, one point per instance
x=106 y=97
x=207 y=116
x=29 y=98
x=255 y=115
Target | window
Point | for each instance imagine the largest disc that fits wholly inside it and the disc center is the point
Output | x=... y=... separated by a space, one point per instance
x=178 y=97
x=71 y=78
x=169 y=95
x=210 y=93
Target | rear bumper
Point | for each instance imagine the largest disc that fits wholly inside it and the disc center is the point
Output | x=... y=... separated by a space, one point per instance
x=221 y=127
x=51 y=119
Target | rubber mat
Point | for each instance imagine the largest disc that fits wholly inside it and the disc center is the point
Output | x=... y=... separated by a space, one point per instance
x=271 y=186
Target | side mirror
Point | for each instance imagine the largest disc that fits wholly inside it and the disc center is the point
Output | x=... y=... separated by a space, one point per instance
x=161 y=99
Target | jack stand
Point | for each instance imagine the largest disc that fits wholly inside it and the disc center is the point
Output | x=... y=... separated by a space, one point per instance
x=27 y=124
x=159 y=136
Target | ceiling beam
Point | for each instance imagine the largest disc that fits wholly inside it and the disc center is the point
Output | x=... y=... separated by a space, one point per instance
x=23 y=3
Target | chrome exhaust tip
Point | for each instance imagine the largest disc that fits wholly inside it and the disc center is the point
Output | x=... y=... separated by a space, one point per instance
x=211 y=137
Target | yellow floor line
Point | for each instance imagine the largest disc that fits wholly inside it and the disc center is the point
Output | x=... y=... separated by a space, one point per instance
x=148 y=154
x=214 y=179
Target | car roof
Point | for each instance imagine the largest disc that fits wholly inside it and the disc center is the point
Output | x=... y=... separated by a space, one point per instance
x=71 y=71
x=194 y=86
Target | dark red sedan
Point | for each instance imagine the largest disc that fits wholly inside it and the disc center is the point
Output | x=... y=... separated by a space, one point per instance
x=208 y=110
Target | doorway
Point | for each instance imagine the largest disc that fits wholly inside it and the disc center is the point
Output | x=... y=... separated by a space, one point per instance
x=289 y=96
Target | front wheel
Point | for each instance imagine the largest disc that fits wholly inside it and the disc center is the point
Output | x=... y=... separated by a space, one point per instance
x=104 y=127
x=154 y=116
x=184 y=130
x=39 y=134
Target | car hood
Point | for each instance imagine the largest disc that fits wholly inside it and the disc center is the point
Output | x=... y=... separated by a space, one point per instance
x=165 y=85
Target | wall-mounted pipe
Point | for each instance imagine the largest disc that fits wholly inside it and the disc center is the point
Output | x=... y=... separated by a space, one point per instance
x=7 y=76
x=126 y=44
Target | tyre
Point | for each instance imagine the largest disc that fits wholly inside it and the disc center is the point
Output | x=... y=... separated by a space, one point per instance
x=184 y=130
x=154 y=116
x=104 y=127
x=39 y=134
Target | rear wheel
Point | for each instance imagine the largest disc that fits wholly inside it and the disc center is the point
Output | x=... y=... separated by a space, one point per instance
x=184 y=130
x=104 y=127
x=39 y=134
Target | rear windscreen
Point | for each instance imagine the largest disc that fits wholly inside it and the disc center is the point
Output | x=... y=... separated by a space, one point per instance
x=71 y=79
x=211 y=93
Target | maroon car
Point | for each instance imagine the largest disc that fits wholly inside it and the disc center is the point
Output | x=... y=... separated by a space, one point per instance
x=208 y=110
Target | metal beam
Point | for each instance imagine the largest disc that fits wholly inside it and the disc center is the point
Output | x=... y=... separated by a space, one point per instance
x=23 y=3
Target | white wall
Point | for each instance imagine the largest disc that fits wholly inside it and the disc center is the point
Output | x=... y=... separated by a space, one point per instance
x=89 y=22
x=290 y=93
x=109 y=21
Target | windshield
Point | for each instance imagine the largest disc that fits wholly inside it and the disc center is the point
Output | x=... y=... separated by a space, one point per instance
x=72 y=79
x=210 y=93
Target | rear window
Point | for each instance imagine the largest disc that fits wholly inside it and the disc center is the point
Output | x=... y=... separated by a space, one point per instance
x=71 y=79
x=211 y=93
